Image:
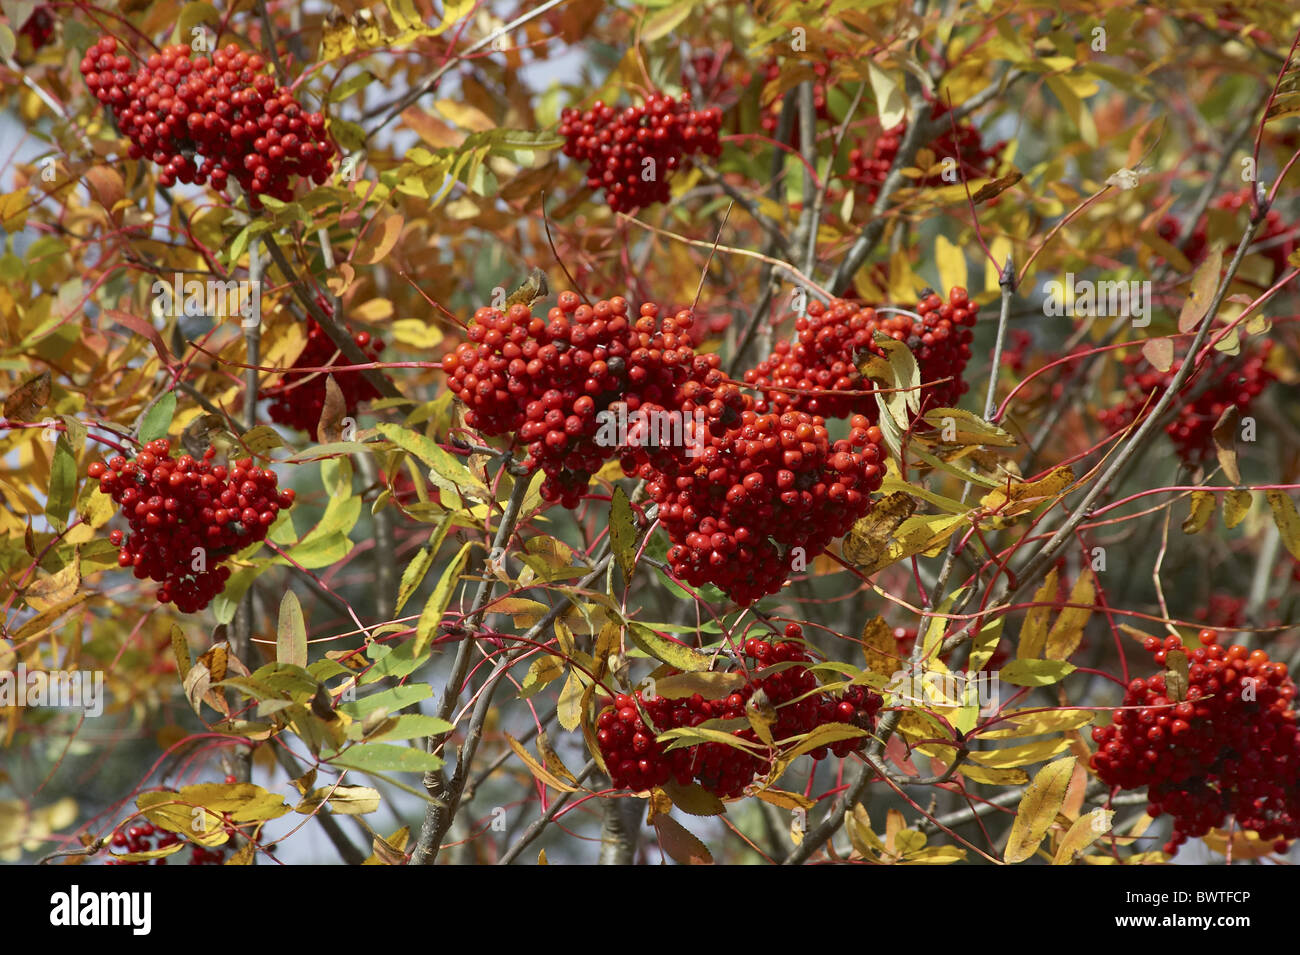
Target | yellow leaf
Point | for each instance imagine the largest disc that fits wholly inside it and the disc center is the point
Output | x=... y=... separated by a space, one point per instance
x=1288 y=523
x=994 y=777
x=891 y=104
x=569 y=708
x=951 y=260
x=1024 y=755
x=879 y=648
x=465 y=116
x=1085 y=831
x=1067 y=632
x=536 y=768
x=1024 y=496
x=1033 y=632
x=544 y=670
x=1030 y=723
x=416 y=333
x=1236 y=505
x=1199 y=515
x=1038 y=808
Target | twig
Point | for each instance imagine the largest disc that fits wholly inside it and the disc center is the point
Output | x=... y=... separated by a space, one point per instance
x=538 y=825
x=337 y=333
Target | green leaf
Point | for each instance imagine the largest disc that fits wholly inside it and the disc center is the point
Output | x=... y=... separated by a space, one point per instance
x=406 y=726
x=446 y=471
x=392 y=700
x=394 y=663
x=432 y=613
x=328 y=541
x=386 y=757
x=63 y=482
x=291 y=632
x=158 y=419
x=666 y=651
x=349 y=87
x=622 y=532
x=1035 y=672
x=414 y=573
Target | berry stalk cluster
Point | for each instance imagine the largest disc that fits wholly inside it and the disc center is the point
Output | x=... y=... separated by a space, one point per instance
x=222 y=110
x=631 y=153
x=637 y=760
x=831 y=341
x=186 y=517
x=1230 y=747
x=1231 y=381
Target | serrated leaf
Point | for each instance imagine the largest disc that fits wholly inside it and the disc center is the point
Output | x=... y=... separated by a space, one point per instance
x=1067 y=631
x=63 y=482
x=622 y=532
x=1038 y=808
x=681 y=845
x=413 y=574
x=436 y=606
x=1286 y=519
x=667 y=651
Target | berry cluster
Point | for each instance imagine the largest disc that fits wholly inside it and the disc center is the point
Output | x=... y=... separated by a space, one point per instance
x=1236 y=381
x=141 y=839
x=765 y=496
x=187 y=516
x=1273 y=236
x=631 y=153
x=832 y=339
x=552 y=380
x=637 y=761
x=1231 y=747
x=299 y=399
x=222 y=109
x=867 y=170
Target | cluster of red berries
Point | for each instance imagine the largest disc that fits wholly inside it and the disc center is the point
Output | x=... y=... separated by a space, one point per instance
x=832 y=339
x=765 y=498
x=631 y=153
x=39 y=27
x=637 y=761
x=223 y=110
x=557 y=381
x=1273 y=237
x=770 y=110
x=299 y=399
x=1232 y=381
x=1231 y=747
x=187 y=516
x=141 y=839
x=867 y=170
